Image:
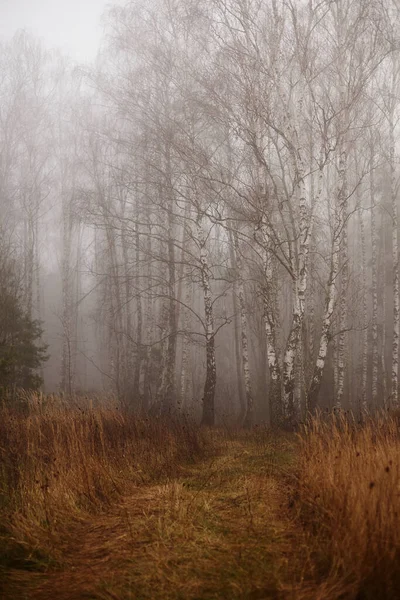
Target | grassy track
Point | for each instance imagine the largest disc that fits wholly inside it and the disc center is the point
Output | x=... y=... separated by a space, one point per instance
x=98 y=504
x=217 y=529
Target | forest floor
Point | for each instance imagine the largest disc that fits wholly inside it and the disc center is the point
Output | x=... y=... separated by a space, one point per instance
x=219 y=528
x=100 y=505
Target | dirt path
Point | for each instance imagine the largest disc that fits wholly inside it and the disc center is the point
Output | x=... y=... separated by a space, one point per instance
x=220 y=530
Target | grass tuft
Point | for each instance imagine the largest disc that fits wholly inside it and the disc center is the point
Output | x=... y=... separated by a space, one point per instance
x=349 y=497
x=60 y=465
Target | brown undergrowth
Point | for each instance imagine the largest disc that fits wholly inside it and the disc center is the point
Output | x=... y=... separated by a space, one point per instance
x=61 y=466
x=349 y=498
x=97 y=504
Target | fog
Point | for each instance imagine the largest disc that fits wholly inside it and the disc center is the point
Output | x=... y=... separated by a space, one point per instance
x=73 y=27
x=201 y=202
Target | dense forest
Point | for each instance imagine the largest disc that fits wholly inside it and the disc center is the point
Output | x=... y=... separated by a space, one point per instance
x=206 y=219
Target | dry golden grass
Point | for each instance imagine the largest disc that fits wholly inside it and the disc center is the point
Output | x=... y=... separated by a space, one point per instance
x=100 y=505
x=349 y=493
x=59 y=466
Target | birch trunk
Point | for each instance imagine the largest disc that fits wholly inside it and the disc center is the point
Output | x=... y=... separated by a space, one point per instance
x=291 y=411
x=149 y=314
x=185 y=346
x=116 y=322
x=128 y=299
x=299 y=288
x=172 y=328
x=319 y=368
x=184 y=282
x=249 y=415
x=139 y=316
x=343 y=207
x=75 y=312
x=165 y=394
x=363 y=406
x=395 y=254
x=374 y=267
x=208 y=417
x=236 y=310
x=164 y=357
x=270 y=322
x=383 y=301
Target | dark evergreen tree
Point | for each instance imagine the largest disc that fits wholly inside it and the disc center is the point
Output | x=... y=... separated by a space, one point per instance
x=22 y=351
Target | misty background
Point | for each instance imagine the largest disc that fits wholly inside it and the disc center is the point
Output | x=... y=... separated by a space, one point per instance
x=201 y=200
x=73 y=27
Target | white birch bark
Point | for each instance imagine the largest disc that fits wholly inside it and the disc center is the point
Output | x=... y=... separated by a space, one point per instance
x=327 y=318
x=342 y=338
x=249 y=416
x=299 y=287
x=208 y=416
x=299 y=298
x=270 y=323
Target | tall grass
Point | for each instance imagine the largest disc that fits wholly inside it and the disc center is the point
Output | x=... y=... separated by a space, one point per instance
x=349 y=492
x=60 y=464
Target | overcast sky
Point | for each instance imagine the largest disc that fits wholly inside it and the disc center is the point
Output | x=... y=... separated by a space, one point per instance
x=71 y=25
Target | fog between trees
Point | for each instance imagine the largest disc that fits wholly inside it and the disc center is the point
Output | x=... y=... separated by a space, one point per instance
x=206 y=220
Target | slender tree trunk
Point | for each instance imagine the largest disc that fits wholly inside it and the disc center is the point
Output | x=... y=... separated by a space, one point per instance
x=164 y=356
x=289 y=361
x=169 y=399
x=75 y=304
x=139 y=316
x=383 y=301
x=249 y=416
x=312 y=287
x=185 y=346
x=270 y=323
x=395 y=254
x=29 y=243
x=299 y=288
x=363 y=406
x=150 y=317
x=319 y=368
x=128 y=300
x=39 y=315
x=374 y=267
x=236 y=310
x=187 y=286
x=165 y=395
x=311 y=329
x=66 y=382
x=208 y=417
x=343 y=207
